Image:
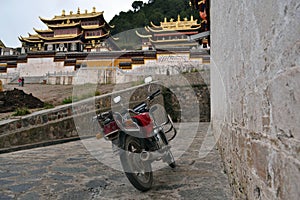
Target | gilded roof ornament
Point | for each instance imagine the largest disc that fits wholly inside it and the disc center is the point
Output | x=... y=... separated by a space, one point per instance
x=78 y=10
x=94 y=9
x=63 y=13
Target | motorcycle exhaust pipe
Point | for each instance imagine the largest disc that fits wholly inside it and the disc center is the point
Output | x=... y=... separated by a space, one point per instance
x=145 y=155
x=150 y=156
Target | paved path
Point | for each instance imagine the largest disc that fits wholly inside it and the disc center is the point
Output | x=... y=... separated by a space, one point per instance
x=69 y=171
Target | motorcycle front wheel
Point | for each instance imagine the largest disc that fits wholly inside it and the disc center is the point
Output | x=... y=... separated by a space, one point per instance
x=138 y=172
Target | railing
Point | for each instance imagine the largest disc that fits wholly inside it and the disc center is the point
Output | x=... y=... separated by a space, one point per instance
x=10 y=77
x=61 y=73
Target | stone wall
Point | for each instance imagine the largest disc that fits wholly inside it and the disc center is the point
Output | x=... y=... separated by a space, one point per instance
x=255 y=75
x=58 y=123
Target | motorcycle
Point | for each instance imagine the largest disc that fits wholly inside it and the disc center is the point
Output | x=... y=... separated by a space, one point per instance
x=139 y=135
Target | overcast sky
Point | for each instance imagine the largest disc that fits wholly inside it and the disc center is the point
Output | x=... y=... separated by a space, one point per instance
x=19 y=17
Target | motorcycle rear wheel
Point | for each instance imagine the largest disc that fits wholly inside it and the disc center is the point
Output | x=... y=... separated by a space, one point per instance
x=138 y=172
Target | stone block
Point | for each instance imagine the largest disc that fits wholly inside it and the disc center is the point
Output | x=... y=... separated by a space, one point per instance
x=284 y=93
x=260 y=157
x=289 y=185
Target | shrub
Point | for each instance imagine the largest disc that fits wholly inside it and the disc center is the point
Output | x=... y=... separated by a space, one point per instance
x=67 y=100
x=21 y=111
x=48 y=105
x=97 y=93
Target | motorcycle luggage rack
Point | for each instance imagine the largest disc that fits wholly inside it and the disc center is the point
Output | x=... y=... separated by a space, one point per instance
x=161 y=118
x=112 y=135
x=108 y=125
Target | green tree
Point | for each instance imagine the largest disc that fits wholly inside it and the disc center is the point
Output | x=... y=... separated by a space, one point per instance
x=155 y=11
x=136 y=5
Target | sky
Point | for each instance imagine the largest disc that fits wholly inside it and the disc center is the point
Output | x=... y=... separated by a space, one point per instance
x=18 y=18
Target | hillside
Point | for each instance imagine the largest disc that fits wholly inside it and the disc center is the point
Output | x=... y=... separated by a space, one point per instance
x=155 y=10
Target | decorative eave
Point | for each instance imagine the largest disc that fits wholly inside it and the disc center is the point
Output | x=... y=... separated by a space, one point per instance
x=67 y=25
x=64 y=37
x=111 y=26
x=70 y=17
x=142 y=36
x=114 y=38
x=43 y=31
x=155 y=26
x=175 y=29
x=92 y=27
x=97 y=36
x=30 y=39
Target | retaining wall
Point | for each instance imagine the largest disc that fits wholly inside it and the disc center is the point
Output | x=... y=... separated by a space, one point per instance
x=74 y=120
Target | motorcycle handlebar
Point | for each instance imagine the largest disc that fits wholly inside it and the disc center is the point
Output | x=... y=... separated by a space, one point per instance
x=154 y=94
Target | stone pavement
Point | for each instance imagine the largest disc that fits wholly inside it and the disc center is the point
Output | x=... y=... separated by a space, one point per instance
x=69 y=171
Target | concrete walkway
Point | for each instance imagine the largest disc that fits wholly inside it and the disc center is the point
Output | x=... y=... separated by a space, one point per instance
x=69 y=171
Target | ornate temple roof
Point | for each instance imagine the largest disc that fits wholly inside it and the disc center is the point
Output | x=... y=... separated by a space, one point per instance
x=171 y=33
x=61 y=37
x=172 y=25
x=72 y=16
x=31 y=38
x=171 y=28
x=64 y=25
x=80 y=27
x=41 y=31
x=97 y=36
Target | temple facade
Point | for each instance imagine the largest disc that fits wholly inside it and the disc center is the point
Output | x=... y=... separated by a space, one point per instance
x=170 y=35
x=73 y=32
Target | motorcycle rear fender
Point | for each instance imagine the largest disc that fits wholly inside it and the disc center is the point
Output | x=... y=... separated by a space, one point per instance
x=122 y=137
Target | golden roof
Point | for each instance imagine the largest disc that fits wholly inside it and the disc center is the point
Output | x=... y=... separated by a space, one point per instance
x=61 y=37
x=43 y=31
x=32 y=38
x=64 y=25
x=90 y=27
x=73 y=16
x=172 y=25
x=149 y=29
x=142 y=36
x=97 y=36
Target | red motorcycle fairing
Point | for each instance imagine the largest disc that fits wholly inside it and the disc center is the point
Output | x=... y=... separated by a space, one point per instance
x=145 y=122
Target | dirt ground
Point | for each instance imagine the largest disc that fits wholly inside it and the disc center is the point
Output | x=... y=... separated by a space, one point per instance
x=55 y=94
x=10 y=100
x=50 y=94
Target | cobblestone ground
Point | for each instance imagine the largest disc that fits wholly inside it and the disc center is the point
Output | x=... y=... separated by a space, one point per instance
x=69 y=171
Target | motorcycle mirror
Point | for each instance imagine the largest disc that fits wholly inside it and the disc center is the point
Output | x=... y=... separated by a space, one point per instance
x=117 y=99
x=148 y=79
